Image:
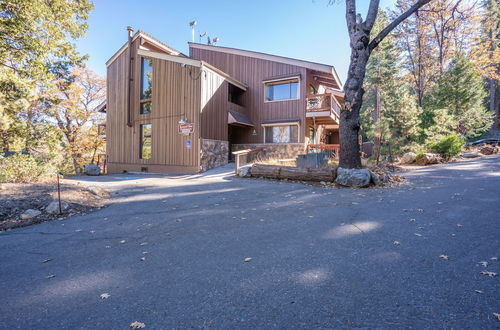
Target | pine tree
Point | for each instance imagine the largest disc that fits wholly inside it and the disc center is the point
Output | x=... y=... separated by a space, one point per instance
x=460 y=91
x=389 y=113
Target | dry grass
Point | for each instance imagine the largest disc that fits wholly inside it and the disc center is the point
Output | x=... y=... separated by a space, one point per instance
x=276 y=161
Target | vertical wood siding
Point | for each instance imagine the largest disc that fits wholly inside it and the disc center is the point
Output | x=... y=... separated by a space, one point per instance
x=175 y=95
x=251 y=71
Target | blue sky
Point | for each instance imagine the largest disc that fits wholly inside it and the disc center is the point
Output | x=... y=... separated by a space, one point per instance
x=304 y=29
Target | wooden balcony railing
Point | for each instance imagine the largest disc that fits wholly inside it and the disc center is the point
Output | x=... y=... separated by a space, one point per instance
x=322 y=102
x=332 y=150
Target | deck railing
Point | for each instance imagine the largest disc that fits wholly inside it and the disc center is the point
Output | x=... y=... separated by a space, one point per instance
x=332 y=150
x=322 y=102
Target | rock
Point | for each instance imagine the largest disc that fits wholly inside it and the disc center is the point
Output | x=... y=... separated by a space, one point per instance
x=429 y=159
x=408 y=158
x=353 y=177
x=91 y=169
x=375 y=179
x=244 y=171
x=98 y=191
x=30 y=213
x=487 y=150
x=470 y=155
x=53 y=207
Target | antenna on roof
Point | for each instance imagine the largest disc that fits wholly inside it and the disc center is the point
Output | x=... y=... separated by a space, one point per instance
x=192 y=24
x=215 y=40
x=202 y=35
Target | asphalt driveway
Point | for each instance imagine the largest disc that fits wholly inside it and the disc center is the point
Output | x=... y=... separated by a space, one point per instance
x=320 y=258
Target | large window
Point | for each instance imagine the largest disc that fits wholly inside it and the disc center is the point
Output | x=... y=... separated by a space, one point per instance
x=282 y=90
x=282 y=134
x=146 y=85
x=145 y=142
x=235 y=94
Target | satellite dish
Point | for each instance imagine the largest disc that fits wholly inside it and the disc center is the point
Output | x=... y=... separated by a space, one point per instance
x=215 y=40
x=192 y=23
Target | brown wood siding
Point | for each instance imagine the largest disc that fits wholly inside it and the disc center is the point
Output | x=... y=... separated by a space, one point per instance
x=251 y=71
x=214 y=106
x=175 y=94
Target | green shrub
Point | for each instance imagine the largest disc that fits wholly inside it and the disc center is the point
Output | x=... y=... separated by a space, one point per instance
x=20 y=168
x=449 y=146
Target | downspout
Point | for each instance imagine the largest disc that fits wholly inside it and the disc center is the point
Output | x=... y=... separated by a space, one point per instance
x=129 y=76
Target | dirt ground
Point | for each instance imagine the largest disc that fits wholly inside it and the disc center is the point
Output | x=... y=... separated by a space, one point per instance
x=15 y=198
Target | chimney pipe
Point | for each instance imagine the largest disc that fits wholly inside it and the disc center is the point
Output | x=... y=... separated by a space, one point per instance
x=129 y=76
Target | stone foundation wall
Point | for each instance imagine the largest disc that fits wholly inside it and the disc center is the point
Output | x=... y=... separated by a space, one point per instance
x=272 y=150
x=213 y=153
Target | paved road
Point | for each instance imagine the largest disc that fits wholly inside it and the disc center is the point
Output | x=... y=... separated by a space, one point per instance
x=321 y=258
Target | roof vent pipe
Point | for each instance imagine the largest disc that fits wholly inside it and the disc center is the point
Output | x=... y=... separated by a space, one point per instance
x=129 y=76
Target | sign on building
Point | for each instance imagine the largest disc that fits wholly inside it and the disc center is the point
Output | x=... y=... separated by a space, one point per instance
x=186 y=128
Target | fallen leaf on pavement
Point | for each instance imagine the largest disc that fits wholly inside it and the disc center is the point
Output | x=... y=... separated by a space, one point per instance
x=419 y=235
x=444 y=256
x=51 y=276
x=479 y=291
x=105 y=296
x=137 y=325
x=459 y=225
x=484 y=263
x=396 y=243
x=142 y=258
x=144 y=243
x=494 y=258
x=412 y=220
x=122 y=241
x=497 y=315
x=47 y=260
x=487 y=273
x=248 y=259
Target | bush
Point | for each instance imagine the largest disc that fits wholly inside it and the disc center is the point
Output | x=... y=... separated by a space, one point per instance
x=20 y=168
x=449 y=146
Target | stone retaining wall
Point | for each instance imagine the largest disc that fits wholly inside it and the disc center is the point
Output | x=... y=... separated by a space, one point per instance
x=214 y=153
x=272 y=150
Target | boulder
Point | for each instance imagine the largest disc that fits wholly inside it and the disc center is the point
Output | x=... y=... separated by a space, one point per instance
x=470 y=155
x=244 y=171
x=98 y=191
x=408 y=158
x=487 y=150
x=30 y=213
x=91 y=169
x=53 y=207
x=429 y=159
x=375 y=179
x=353 y=177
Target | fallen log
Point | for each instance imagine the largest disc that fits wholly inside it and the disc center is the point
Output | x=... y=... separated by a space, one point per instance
x=327 y=174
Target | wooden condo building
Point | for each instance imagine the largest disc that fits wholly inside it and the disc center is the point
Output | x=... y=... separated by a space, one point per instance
x=173 y=113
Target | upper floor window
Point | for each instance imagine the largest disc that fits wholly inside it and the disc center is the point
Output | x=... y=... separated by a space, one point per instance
x=235 y=94
x=282 y=90
x=146 y=85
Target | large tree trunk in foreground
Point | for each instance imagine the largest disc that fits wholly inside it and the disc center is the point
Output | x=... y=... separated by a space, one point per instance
x=361 y=47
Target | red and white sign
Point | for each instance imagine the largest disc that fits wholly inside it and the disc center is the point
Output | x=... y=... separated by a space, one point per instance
x=186 y=128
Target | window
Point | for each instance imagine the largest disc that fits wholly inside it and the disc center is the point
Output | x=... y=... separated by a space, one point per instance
x=235 y=94
x=282 y=90
x=146 y=85
x=145 y=142
x=281 y=134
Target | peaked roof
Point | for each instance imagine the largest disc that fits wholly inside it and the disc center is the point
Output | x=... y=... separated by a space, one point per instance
x=270 y=57
x=150 y=39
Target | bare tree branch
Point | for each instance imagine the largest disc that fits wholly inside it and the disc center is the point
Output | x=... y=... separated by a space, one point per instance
x=350 y=7
x=372 y=14
x=374 y=43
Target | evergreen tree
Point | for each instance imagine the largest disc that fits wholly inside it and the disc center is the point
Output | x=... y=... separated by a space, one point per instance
x=460 y=91
x=389 y=113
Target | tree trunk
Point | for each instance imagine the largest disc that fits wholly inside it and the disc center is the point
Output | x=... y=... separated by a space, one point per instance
x=349 y=114
x=493 y=107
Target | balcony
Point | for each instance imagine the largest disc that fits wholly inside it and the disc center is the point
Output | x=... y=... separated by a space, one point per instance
x=323 y=105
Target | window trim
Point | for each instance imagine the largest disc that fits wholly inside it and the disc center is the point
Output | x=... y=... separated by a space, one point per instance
x=282 y=124
x=279 y=81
